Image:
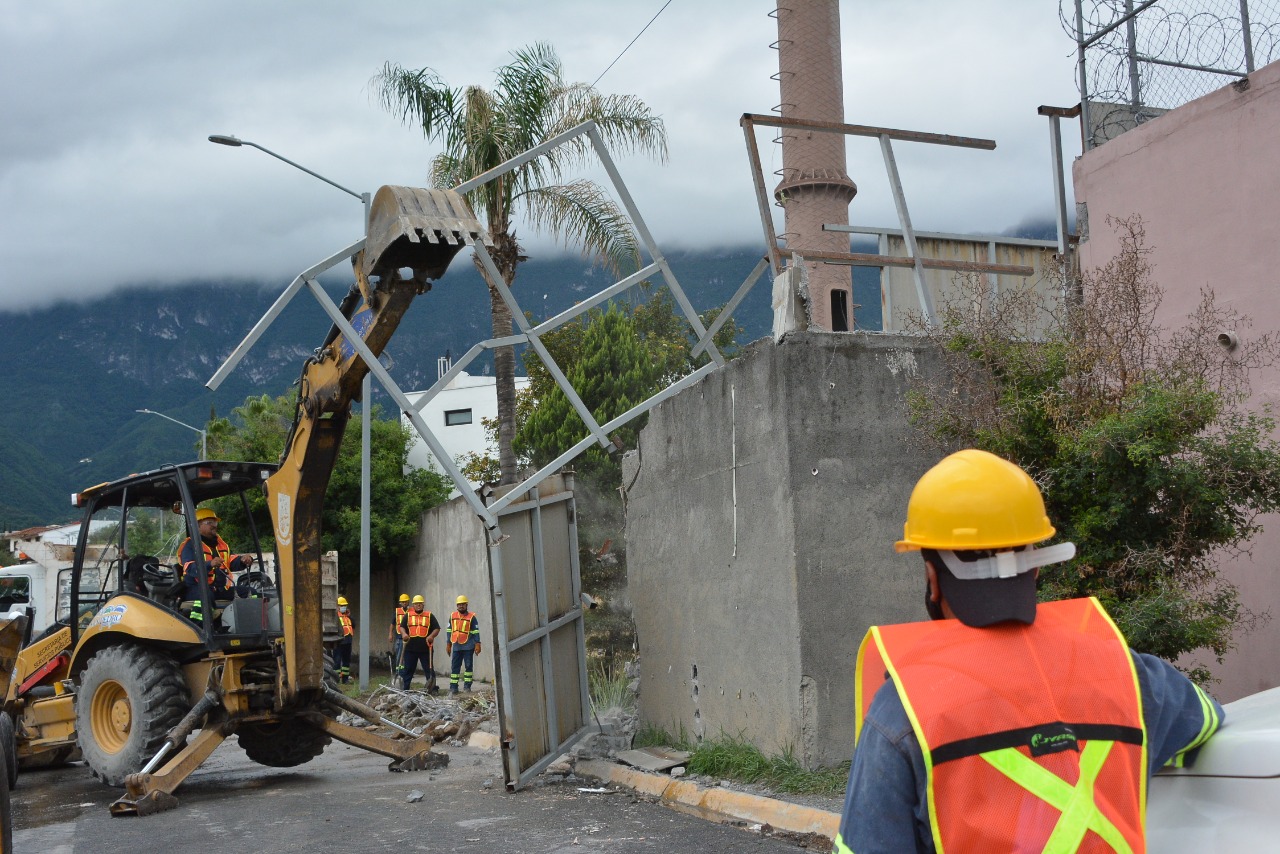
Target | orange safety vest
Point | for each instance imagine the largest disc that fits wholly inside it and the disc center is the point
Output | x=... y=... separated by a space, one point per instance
x=419 y=624
x=460 y=627
x=1033 y=737
x=224 y=552
x=400 y=612
x=347 y=629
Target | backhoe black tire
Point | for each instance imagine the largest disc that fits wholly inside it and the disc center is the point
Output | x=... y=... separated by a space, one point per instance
x=10 y=741
x=129 y=698
x=6 y=809
x=289 y=742
x=283 y=744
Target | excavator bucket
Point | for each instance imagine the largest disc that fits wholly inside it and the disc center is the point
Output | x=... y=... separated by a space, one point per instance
x=12 y=630
x=418 y=228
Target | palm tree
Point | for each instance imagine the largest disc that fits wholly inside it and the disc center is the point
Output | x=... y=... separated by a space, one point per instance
x=482 y=128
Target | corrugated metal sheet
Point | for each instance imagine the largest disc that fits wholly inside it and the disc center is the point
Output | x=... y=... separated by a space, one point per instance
x=898 y=297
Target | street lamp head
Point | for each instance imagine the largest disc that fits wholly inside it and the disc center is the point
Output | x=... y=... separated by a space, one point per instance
x=223 y=139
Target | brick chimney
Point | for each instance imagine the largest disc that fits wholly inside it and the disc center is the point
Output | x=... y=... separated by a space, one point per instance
x=815 y=189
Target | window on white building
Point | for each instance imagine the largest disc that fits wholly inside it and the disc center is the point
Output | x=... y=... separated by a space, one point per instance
x=455 y=417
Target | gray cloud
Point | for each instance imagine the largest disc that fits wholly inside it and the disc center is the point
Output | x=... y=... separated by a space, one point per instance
x=106 y=177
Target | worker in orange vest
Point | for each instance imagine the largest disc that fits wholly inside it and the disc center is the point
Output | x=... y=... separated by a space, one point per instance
x=463 y=643
x=342 y=649
x=420 y=628
x=1002 y=725
x=395 y=637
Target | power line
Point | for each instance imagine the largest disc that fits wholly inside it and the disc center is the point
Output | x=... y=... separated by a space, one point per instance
x=633 y=41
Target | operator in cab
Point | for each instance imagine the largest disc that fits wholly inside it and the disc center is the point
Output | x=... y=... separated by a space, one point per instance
x=219 y=561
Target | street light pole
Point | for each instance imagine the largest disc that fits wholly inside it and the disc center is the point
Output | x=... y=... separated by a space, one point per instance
x=365 y=421
x=204 y=436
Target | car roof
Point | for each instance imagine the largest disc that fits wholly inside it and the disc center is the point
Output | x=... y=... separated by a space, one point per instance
x=1247 y=745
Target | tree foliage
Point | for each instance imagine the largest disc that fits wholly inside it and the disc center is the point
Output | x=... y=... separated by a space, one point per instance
x=482 y=128
x=257 y=429
x=1140 y=437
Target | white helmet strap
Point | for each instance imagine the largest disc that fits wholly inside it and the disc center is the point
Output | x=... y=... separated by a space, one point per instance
x=1006 y=564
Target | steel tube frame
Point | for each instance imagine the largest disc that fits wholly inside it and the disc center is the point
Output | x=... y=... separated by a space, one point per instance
x=886 y=137
x=274 y=311
x=942 y=235
x=639 y=409
x=730 y=306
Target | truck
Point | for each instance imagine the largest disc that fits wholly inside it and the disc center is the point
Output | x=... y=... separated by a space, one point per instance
x=142 y=675
x=39 y=585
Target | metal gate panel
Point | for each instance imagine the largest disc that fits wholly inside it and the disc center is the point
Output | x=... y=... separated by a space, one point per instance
x=543 y=697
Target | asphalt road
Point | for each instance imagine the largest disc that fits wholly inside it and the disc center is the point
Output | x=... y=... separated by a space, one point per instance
x=346 y=801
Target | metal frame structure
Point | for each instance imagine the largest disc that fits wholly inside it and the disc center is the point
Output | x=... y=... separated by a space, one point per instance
x=524 y=498
x=886 y=136
x=527 y=334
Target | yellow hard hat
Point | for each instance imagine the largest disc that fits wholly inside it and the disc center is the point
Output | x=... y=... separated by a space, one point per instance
x=974 y=500
x=418 y=600
x=404 y=597
x=203 y=513
x=462 y=600
x=342 y=600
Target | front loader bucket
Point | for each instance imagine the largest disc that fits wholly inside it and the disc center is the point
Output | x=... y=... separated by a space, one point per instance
x=12 y=631
x=418 y=228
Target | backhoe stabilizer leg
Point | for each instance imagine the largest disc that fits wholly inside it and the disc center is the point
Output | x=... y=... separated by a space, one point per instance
x=146 y=794
x=407 y=754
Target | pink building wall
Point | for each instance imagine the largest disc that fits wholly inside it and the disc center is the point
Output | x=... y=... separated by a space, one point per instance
x=1205 y=178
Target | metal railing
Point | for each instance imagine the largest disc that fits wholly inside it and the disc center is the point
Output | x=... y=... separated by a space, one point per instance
x=1138 y=59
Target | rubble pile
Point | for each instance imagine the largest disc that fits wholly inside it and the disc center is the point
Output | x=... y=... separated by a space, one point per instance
x=447 y=718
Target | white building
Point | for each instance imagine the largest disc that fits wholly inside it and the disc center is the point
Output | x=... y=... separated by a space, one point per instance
x=455 y=417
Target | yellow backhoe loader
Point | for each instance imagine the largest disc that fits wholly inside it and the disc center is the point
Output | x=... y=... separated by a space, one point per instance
x=144 y=676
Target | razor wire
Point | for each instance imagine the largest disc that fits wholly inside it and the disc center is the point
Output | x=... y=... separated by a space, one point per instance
x=1138 y=59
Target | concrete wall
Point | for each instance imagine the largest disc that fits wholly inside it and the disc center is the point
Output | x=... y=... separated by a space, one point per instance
x=1203 y=177
x=451 y=558
x=749 y=614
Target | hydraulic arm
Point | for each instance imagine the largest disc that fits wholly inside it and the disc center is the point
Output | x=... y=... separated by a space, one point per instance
x=413 y=234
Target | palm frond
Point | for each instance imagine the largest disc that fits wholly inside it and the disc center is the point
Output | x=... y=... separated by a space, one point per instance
x=581 y=213
x=418 y=97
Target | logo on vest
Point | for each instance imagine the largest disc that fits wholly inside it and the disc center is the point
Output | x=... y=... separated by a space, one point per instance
x=1053 y=738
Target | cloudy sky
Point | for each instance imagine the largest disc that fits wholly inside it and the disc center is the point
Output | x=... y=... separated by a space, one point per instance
x=107 y=177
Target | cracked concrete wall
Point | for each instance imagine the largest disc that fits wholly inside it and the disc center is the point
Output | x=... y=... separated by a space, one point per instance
x=749 y=617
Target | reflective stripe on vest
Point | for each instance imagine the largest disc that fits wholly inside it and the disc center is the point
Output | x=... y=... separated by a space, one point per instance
x=419 y=624
x=347 y=629
x=460 y=627
x=1032 y=736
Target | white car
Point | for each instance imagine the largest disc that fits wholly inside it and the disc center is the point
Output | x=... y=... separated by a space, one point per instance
x=1230 y=799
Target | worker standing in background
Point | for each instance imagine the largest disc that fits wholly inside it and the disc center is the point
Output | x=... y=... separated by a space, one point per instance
x=395 y=637
x=420 y=629
x=464 y=642
x=342 y=649
x=1003 y=725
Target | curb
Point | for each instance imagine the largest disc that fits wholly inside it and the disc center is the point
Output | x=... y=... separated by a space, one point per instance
x=718 y=803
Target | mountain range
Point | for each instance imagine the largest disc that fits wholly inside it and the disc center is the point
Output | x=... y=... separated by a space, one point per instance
x=80 y=371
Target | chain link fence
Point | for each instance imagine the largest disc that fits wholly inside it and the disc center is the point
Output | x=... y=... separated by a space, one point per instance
x=1137 y=59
